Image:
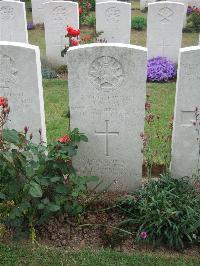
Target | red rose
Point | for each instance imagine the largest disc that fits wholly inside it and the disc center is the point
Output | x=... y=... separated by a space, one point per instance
x=65 y=139
x=72 y=32
x=74 y=42
x=3 y=101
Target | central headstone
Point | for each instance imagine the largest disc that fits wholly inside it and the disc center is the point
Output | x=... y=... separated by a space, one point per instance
x=13 y=24
x=21 y=83
x=113 y=19
x=58 y=15
x=164 y=29
x=185 y=141
x=107 y=88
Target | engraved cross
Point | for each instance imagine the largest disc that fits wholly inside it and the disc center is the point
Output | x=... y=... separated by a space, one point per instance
x=107 y=133
x=164 y=45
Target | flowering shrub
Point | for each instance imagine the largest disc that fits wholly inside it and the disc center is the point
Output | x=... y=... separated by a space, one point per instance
x=164 y=211
x=160 y=69
x=39 y=179
x=84 y=9
x=74 y=39
x=193 y=21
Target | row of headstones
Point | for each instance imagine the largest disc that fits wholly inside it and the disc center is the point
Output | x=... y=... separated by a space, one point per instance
x=113 y=18
x=196 y=3
x=107 y=104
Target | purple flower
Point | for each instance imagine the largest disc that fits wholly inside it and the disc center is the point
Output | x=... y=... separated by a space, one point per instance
x=30 y=26
x=189 y=10
x=160 y=69
x=143 y=235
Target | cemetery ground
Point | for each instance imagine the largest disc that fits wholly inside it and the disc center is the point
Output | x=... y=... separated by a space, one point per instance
x=103 y=228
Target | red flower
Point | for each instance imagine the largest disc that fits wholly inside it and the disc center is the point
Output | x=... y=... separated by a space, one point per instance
x=80 y=10
x=74 y=42
x=65 y=139
x=72 y=32
x=3 y=101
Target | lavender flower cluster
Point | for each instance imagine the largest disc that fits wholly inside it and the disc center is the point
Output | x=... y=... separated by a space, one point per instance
x=160 y=69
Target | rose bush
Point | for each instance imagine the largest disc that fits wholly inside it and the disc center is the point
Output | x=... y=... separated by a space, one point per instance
x=40 y=179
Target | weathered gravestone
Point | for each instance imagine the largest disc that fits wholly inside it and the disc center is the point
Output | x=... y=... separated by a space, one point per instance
x=13 y=24
x=144 y=3
x=107 y=88
x=38 y=11
x=195 y=3
x=21 y=83
x=185 y=146
x=59 y=15
x=164 y=29
x=113 y=19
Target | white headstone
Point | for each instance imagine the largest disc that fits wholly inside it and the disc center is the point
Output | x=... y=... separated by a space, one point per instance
x=38 y=11
x=59 y=15
x=114 y=20
x=164 y=29
x=13 y=24
x=195 y=3
x=144 y=3
x=185 y=147
x=21 y=83
x=107 y=88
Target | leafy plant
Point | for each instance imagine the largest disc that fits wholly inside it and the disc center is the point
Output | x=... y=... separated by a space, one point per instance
x=90 y=20
x=138 y=23
x=39 y=179
x=164 y=211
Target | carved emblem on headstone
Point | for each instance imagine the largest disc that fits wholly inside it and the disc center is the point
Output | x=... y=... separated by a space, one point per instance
x=112 y=14
x=106 y=72
x=6 y=13
x=165 y=14
x=8 y=72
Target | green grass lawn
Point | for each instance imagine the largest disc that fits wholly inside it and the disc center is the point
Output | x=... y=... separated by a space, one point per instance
x=15 y=255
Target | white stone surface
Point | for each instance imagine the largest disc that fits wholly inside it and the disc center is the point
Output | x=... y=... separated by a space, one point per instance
x=195 y=3
x=100 y=1
x=21 y=83
x=185 y=148
x=164 y=29
x=144 y=3
x=114 y=20
x=107 y=89
x=38 y=11
x=59 y=15
x=13 y=24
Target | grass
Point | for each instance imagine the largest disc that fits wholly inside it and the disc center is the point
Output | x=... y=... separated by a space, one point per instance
x=56 y=108
x=15 y=255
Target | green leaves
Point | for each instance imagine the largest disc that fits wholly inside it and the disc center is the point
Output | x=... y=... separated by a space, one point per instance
x=40 y=180
x=167 y=209
x=11 y=136
x=35 y=190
